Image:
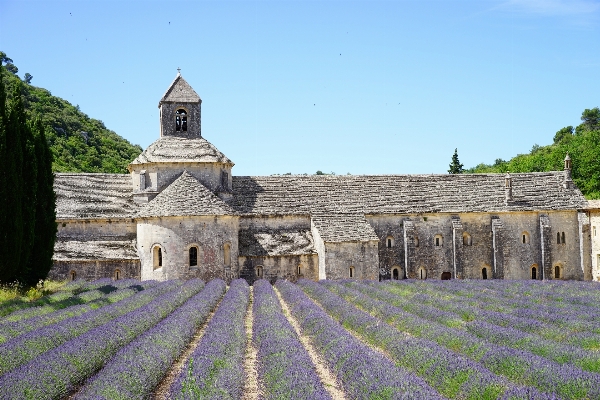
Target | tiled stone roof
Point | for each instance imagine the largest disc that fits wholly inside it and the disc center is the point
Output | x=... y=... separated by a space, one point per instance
x=343 y=227
x=180 y=149
x=91 y=196
x=95 y=250
x=180 y=91
x=401 y=194
x=593 y=204
x=185 y=197
x=275 y=242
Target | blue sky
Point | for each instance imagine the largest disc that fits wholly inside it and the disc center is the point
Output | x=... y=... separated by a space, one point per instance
x=366 y=87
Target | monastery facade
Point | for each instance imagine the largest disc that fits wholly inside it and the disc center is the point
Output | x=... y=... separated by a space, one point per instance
x=180 y=213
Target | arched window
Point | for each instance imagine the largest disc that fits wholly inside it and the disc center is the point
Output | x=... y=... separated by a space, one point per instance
x=351 y=272
x=525 y=237
x=533 y=272
x=467 y=241
x=227 y=254
x=484 y=273
x=72 y=275
x=557 y=272
x=562 y=237
x=157 y=257
x=557 y=237
x=299 y=270
x=259 y=271
x=395 y=273
x=422 y=273
x=193 y=256
x=439 y=240
x=117 y=274
x=181 y=120
x=389 y=242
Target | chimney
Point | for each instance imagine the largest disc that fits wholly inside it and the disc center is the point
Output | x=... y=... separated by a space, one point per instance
x=508 y=188
x=568 y=182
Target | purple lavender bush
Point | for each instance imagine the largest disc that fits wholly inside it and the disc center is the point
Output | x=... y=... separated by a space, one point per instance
x=57 y=372
x=23 y=348
x=139 y=367
x=285 y=369
x=362 y=372
x=216 y=368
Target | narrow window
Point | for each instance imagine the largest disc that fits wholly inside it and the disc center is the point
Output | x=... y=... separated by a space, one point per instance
x=142 y=179
x=224 y=179
x=117 y=274
x=181 y=120
x=227 y=254
x=562 y=238
x=299 y=270
x=259 y=272
x=484 y=273
x=533 y=273
x=193 y=253
x=389 y=243
x=557 y=237
x=556 y=272
x=437 y=241
x=422 y=274
x=467 y=241
x=157 y=257
x=72 y=275
x=594 y=231
x=525 y=237
x=351 y=272
x=416 y=241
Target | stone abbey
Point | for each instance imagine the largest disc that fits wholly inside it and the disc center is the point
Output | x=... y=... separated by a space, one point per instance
x=181 y=213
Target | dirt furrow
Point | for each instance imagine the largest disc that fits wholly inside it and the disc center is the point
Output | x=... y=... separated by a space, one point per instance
x=327 y=377
x=251 y=389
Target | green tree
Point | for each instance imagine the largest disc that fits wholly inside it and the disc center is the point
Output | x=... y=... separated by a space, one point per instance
x=567 y=131
x=591 y=118
x=4 y=273
x=27 y=78
x=455 y=166
x=40 y=261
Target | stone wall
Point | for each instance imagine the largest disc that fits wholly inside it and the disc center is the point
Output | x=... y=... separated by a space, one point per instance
x=280 y=267
x=595 y=243
x=362 y=256
x=95 y=229
x=175 y=235
x=95 y=269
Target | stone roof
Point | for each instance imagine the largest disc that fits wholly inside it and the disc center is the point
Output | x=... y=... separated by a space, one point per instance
x=93 y=196
x=401 y=194
x=275 y=242
x=593 y=204
x=180 y=92
x=181 y=149
x=95 y=250
x=343 y=227
x=185 y=197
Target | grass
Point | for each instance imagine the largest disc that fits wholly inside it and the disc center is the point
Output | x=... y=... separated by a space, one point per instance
x=14 y=296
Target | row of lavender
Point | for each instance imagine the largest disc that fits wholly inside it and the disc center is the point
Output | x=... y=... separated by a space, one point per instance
x=442 y=341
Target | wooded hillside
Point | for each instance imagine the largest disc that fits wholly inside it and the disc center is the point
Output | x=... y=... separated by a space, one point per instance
x=583 y=145
x=78 y=143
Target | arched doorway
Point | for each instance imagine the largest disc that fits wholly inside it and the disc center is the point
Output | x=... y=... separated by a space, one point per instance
x=446 y=276
x=484 y=273
x=533 y=273
x=395 y=275
x=422 y=273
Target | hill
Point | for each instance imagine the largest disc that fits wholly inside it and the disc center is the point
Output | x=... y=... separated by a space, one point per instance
x=583 y=145
x=78 y=143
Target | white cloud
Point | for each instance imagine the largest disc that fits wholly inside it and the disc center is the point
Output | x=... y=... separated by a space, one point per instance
x=553 y=7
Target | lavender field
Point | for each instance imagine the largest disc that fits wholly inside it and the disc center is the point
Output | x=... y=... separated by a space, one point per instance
x=311 y=340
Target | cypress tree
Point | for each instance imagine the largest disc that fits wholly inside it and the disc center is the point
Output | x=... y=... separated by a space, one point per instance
x=455 y=166
x=40 y=261
x=3 y=171
x=29 y=184
x=14 y=187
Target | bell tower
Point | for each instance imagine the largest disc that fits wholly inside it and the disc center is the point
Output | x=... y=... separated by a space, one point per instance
x=180 y=110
